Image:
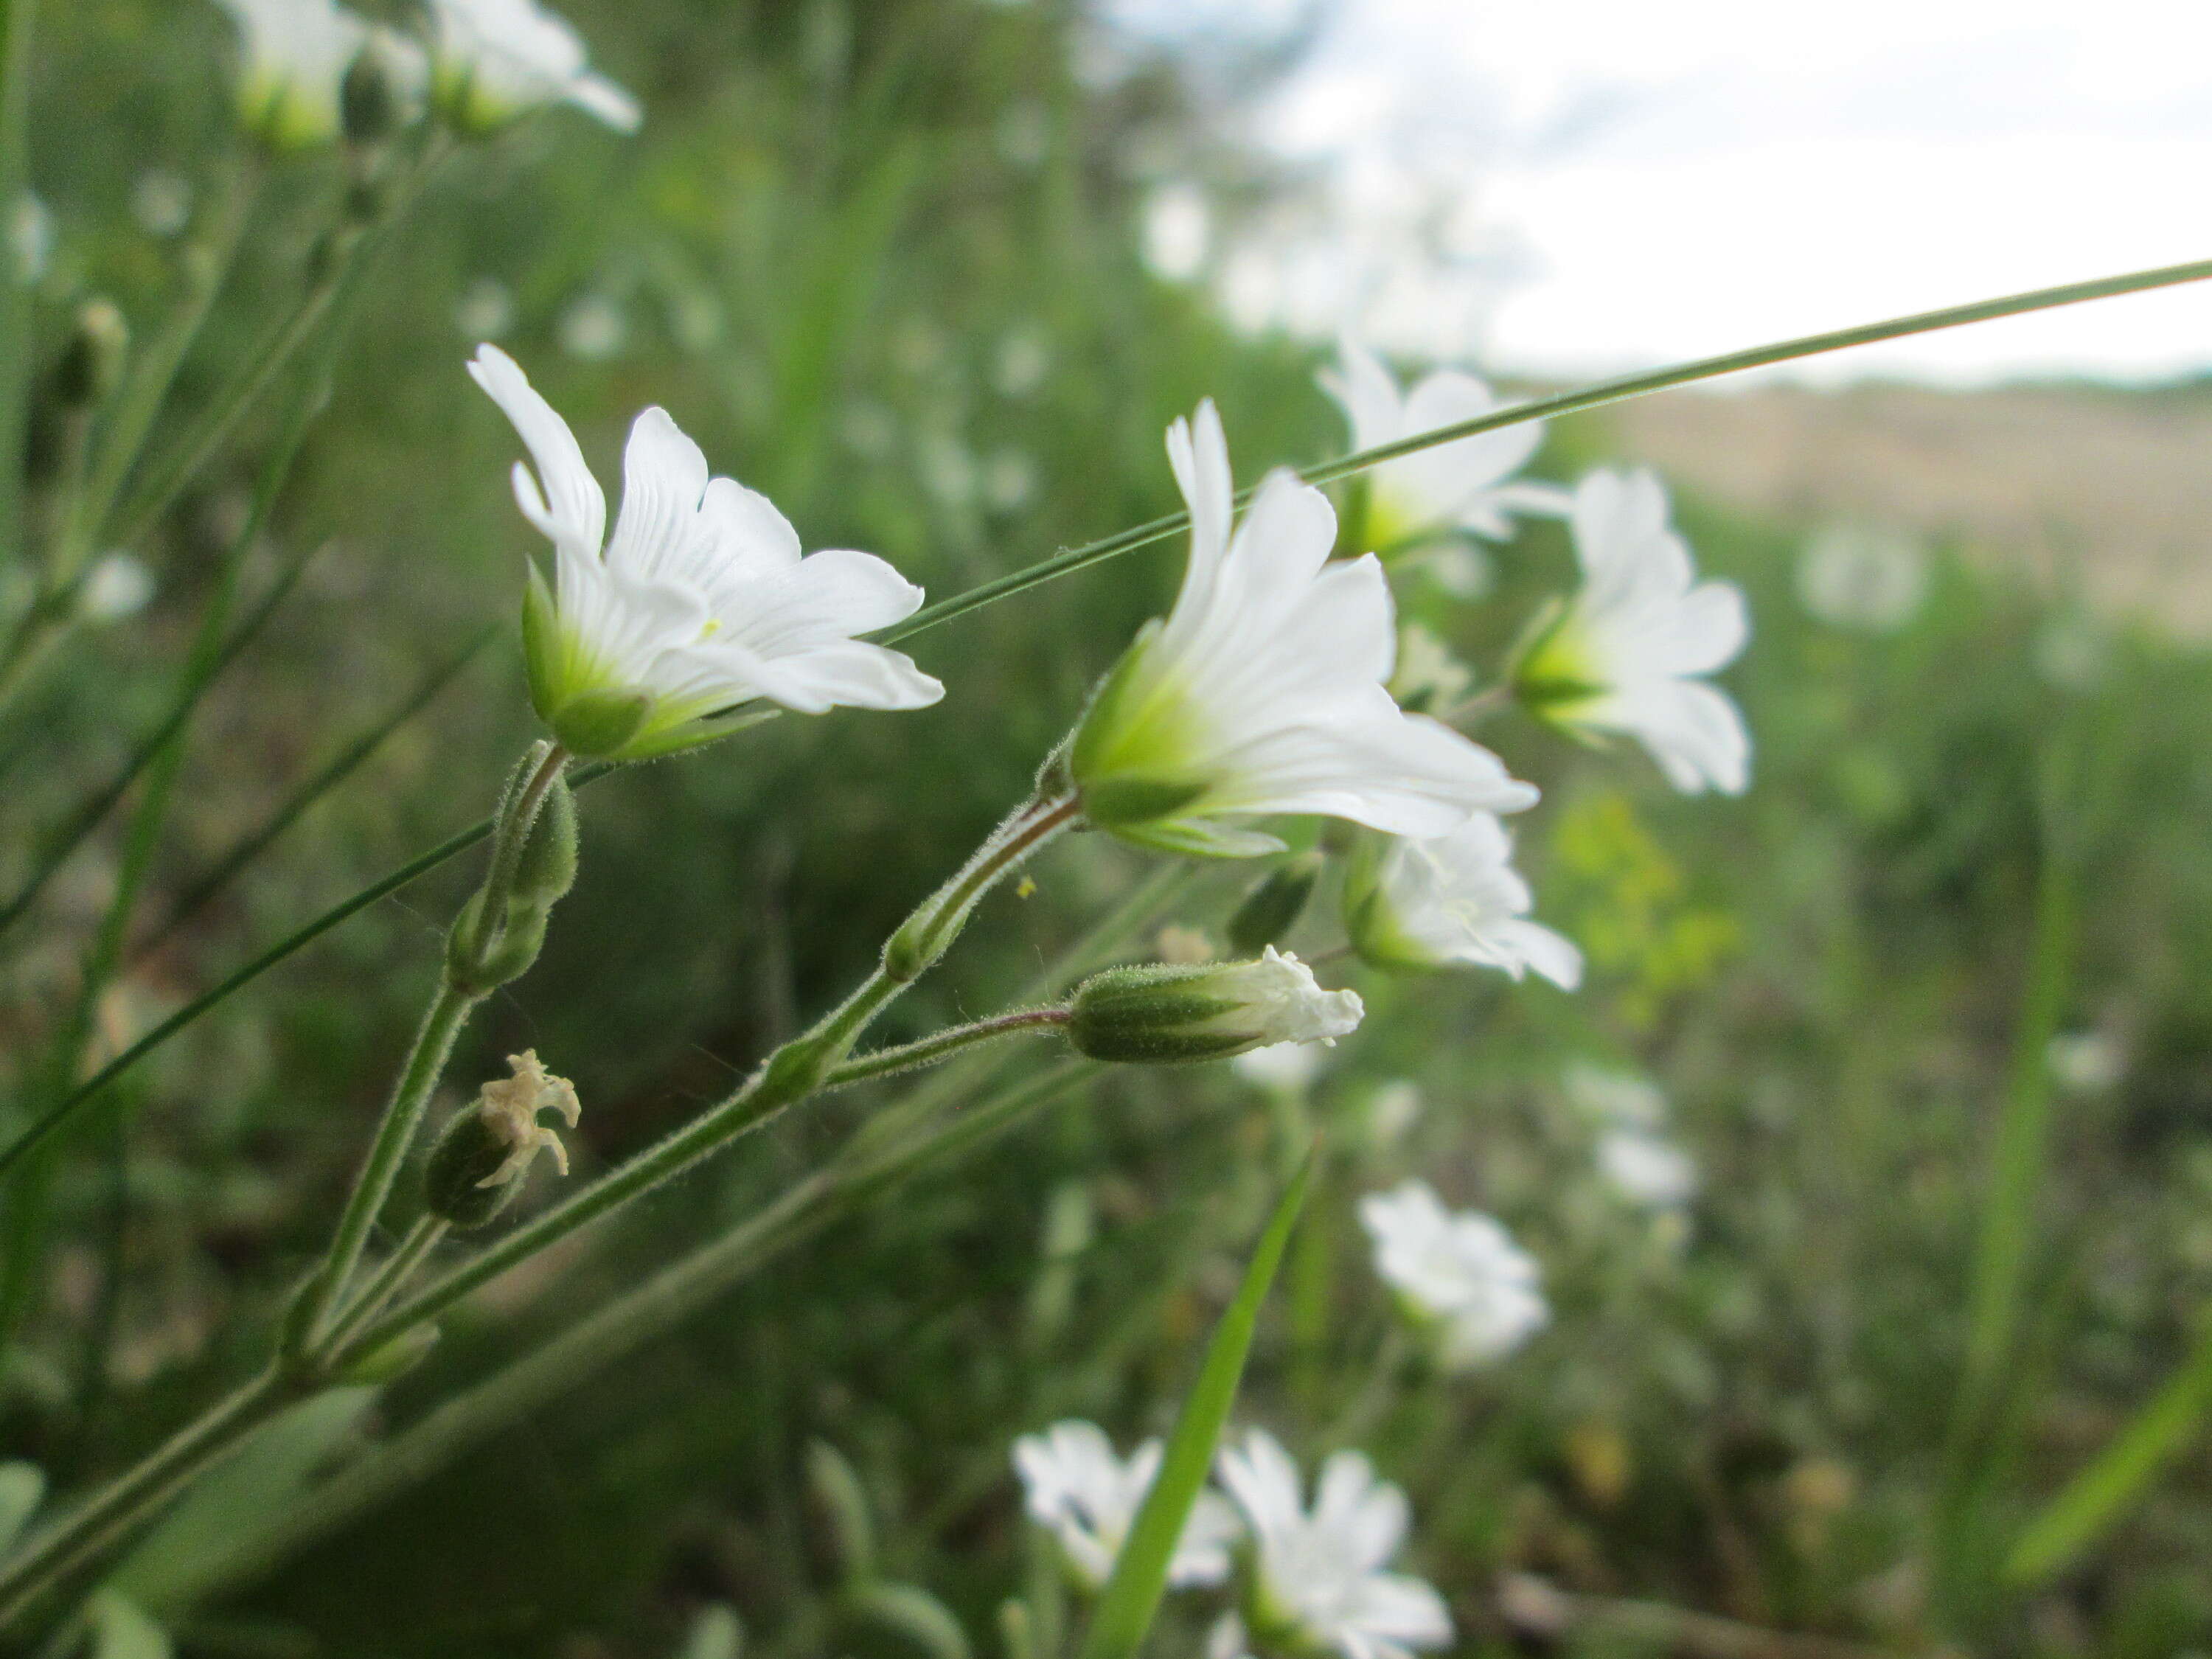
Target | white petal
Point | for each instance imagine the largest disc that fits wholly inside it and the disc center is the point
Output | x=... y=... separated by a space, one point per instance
x=1398 y=1608
x=1693 y=730
x=597 y=96
x=1365 y=389
x=1199 y=453
x=852 y=674
x=664 y=476
x=1532 y=945
x=575 y=511
x=747 y=527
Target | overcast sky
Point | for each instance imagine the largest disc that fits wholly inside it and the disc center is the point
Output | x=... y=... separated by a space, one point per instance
x=1608 y=183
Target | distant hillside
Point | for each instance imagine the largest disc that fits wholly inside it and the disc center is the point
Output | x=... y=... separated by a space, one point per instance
x=2115 y=484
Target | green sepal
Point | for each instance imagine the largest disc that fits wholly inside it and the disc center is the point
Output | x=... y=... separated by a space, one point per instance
x=541 y=645
x=469 y=1152
x=1198 y=839
x=690 y=735
x=1099 y=727
x=1271 y=909
x=1129 y=802
x=600 y=723
x=547 y=869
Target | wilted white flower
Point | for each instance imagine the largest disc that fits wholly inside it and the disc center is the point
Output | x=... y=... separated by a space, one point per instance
x=497 y=60
x=161 y=202
x=592 y=329
x=1453 y=898
x=485 y=310
x=1624 y=654
x=1466 y=484
x=1646 y=1170
x=1160 y=1014
x=1284 y=1067
x=1319 y=1581
x=1616 y=1099
x=296 y=55
x=1077 y=1488
x=1855 y=576
x=1263 y=690
x=1460 y=1270
x=699 y=603
x=118 y=585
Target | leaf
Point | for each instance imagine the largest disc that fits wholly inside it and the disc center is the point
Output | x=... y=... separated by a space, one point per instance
x=914 y=1613
x=1132 y=1595
x=23 y=1485
x=715 y=1634
x=120 y=1631
x=845 y=1503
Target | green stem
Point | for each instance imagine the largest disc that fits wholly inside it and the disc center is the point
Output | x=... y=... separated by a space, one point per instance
x=376 y=1296
x=1571 y=403
x=15 y=37
x=929 y=1050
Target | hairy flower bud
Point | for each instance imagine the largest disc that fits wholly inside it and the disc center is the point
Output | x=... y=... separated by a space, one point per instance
x=1272 y=908
x=547 y=869
x=481 y=1156
x=1162 y=1015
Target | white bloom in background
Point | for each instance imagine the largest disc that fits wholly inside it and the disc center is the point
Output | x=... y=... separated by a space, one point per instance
x=1452 y=899
x=1623 y=655
x=119 y=584
x=1392 y=1110
x=1319 y=1577
x=296 y=54
x=698 y=603
x=1158 y=1014
x=1458 y=1269
x=1616 y=1099
x=485 y=310
x=498 y=59
x=592 y=329
x=1428 y=677
x=30 y=239
x=1856 y=576
x=2086 y=1062
x=1647 y=1170
x=1075 y=1487
x=1263 y=691
x=1467 y=484
x=1281 y=1067
x=161 y=202
x=1178 y=230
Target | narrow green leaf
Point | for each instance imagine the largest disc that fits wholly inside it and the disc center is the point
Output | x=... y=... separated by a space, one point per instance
x=913 y=1614
x=716 y=1633
x=2101 y=1494
x=23 y=1488
x=1132 y=1595
x=121 y=1630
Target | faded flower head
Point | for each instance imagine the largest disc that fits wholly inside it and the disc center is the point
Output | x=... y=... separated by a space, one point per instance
x=1076 y=1487
x=1454 y=898
x=1459 y=1272
x=1859 y=577
x=1624 y=655
x=296 y=55
x=1466 y=484
x=1646 y=1168
x=1262 y=691
x=1318 y=1579
x=1159 y=1014
x=498 y=59
x=481 y=1156
x=699 y=603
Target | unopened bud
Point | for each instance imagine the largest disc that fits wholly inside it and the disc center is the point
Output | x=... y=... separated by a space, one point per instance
x=477 y=1165
x=92 y=362
x=1272 y=909
x=547 y=869
x=1163 y=1015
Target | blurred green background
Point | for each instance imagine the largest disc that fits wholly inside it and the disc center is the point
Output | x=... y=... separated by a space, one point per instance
x=884 y=261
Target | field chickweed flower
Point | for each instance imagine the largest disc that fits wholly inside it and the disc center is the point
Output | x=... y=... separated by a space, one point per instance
x=1455 y=898
x=1159 y=1014
x=700 y=601
x=1459 y=1272
x=1646 y=1170
x=1318 y=1582
x=1262 y=691
x=296 y=55
x=1076 y=1488
x=498 y=59
x=1462 y=485
x=1624 y=653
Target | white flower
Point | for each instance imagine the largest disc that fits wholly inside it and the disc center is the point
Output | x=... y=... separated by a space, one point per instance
x=161 y=202
x=1263 y=691
x=1453 y=898
x=1459 y=1269
x=1646 y=1170
x=1616 y=1099
x=119 y=584
x=296 y=55
x=497 y=60
x=699 y=601
x=1087 y=1498
x=30 y=239
x=1624 y=654
x=1160 y=1014
x=1461 y=485
x=1851 y=576
x=1320 y=1581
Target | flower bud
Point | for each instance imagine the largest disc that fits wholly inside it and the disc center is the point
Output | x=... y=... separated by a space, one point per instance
x=480 y=1158
x=92 y=362
x=1163 y=1015
x=371 y=109
x=547 y=869
x=1272 y=909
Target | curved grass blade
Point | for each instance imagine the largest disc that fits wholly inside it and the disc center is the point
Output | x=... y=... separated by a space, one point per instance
x=2095 y=1499
x=1132 y=1595
x=335 y=772
x=1571 y=403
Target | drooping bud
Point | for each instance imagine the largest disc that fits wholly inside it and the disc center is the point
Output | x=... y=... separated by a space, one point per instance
x=1272 y=908
x=481 y=1156
x=92 y=362
x=1162 y=1015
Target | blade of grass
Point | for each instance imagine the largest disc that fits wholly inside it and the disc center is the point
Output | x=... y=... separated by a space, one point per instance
x=1571 y=403
x=1132 y=1596
x=2098 y=1497
x=340 y=766
x=15 y=34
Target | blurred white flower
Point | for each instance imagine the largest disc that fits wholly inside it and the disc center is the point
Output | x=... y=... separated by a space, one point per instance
x=1647 y=1170
x=1177 y=229
x=2072 y=651
x=1461 y=570
x=1624 y=653
x=1285 y=1067
x=1428 y=678
x=1319 y=1577
x=161 y=202
x=296 y=55
x=1460 y=1270
x=1076 y=1487
x=1463 y=485
x=592 y=329
x=700 y=601
x=1857 y=576
x=1453 y=898
x=2086 y=1062
x=1263 y=690
x=30 y=239
x=1009 y=481
x=1392 y=1110
x=1616 y=1099
x=497 y=60
x=1025 y=358
x=485 y=310
x=118 y=585
x=946 y=467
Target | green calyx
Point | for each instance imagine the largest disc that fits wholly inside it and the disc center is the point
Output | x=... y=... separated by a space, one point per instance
x=1156 y=1015
x=1271 y=909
